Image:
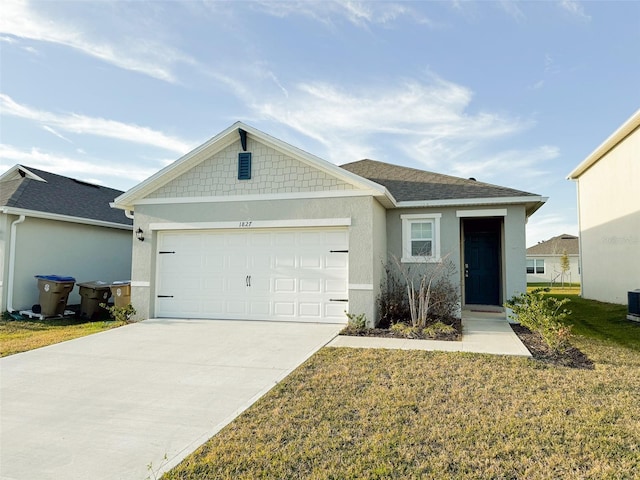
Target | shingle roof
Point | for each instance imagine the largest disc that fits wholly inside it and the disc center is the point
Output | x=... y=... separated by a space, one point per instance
x=410 y=184
x=556 y=246
x=61 y=195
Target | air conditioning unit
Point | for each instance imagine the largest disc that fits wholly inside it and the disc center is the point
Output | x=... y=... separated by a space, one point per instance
x=634 y=305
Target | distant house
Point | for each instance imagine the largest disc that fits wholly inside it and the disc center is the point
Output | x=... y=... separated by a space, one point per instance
x=609 y=215
x=51 y=224
x=544 y=260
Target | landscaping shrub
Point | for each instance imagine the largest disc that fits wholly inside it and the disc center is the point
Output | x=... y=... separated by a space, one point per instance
x=418 y=295
x=544 y=315
x=393 y=304
x=120 y=314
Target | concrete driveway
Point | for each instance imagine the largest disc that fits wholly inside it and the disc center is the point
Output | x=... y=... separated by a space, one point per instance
x=108 y=405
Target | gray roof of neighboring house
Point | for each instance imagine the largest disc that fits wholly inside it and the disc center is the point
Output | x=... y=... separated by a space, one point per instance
x=556 y=246
x=410 y=184
x=60 y=195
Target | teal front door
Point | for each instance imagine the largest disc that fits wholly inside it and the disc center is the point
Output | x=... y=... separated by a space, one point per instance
x=482 y=262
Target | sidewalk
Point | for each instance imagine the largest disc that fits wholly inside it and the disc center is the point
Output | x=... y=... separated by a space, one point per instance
x=482 y=332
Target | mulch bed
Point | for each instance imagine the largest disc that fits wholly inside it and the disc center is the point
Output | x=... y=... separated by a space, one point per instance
x=572 y=357
x=387 y=333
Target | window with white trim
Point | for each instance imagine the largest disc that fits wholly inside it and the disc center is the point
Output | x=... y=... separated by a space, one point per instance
x=535 y=265
x=421 y=237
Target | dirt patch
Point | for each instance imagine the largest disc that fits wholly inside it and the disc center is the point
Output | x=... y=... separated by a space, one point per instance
x=454 y=336
x=572 y=357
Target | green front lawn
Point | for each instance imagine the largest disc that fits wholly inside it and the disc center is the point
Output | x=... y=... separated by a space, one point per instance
x=349 y=413
x=22 y=335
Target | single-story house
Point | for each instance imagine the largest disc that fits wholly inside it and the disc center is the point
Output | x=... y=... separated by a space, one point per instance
x=544 y=260
x=247 y=226
x=608 y=182
x=51 y=224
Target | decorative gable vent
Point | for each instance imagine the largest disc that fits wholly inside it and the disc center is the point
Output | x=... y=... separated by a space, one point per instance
x=244 y=166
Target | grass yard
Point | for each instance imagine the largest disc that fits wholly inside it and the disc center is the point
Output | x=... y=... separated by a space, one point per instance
x=22 y=335
x=349 y=413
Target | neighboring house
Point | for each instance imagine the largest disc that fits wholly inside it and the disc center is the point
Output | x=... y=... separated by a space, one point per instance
x=50 y=224
x=544 y=260
x=249 y=227
x=608 y=183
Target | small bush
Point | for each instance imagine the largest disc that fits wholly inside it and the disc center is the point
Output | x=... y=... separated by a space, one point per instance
x=120 y=314
x=543 y=314
x=437 y=328
x=393 y=304
x=358 y=322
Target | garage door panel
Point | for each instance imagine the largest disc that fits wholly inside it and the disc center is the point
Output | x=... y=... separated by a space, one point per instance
x=310 y=285
x=310 y=310
x=286 y=274
x=284 y=309
x=310 y=261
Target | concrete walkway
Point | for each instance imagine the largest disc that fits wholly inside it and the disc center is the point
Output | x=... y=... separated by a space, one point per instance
x=103 y=407
x=482 y=332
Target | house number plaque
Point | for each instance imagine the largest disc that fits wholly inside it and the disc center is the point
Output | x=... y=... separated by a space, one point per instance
x=245 y=224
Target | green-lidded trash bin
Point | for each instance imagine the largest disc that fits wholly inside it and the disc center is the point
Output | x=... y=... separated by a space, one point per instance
x=54 y=293
x=121 y=292
x=92 y=295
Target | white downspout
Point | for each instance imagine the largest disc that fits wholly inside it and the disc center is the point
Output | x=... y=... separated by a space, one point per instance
x=12 y=262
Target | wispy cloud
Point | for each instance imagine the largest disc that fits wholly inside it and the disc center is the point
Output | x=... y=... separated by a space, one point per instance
x=54 y=132
x=530 y=164
x=575 y=8
x=359 y=13
x=64 y=165
x=423 y=120
x=512 y=9
x=82 y=124
x=142 y=55
x=548 y=225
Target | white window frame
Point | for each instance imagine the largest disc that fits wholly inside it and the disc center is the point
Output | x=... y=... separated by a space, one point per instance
x=535 y=266
x=407 y=221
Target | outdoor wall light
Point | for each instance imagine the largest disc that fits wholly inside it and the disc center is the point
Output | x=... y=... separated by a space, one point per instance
x=139 y=234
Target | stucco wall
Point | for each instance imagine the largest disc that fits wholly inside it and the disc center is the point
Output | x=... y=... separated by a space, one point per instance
x=552 y=270
x=513 y=242
x=271 y=172
x=609 y=211
x=62 y=248
x=365 y=217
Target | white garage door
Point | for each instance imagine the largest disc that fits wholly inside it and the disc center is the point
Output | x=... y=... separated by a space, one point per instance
x=267 y=274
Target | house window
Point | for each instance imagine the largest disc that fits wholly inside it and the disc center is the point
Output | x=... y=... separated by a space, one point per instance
x=421 y=237
x=535 y=265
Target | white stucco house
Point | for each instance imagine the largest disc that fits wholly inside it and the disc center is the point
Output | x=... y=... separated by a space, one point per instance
x=249 y=227
x=52 y=224
x=608 y=183
x=544 y=260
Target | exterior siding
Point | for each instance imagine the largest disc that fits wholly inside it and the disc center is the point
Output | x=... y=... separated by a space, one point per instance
x=552 y=270
x=272 y=172
x=609 y=210
x=513 y=243
x=84 y=252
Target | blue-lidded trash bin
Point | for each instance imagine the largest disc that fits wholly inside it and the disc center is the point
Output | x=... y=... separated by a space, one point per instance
x=54 y=293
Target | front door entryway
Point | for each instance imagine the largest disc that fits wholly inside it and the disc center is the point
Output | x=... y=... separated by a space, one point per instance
x=482 y=268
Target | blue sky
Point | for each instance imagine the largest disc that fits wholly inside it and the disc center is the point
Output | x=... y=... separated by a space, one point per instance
x=511 y=93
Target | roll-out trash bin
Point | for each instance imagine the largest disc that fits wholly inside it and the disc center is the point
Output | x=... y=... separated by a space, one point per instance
x=92 y=295
x=121 y=292
x=54 y=293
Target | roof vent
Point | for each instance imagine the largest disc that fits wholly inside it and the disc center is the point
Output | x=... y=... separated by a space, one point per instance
x=244 y=166
x=473 y=179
